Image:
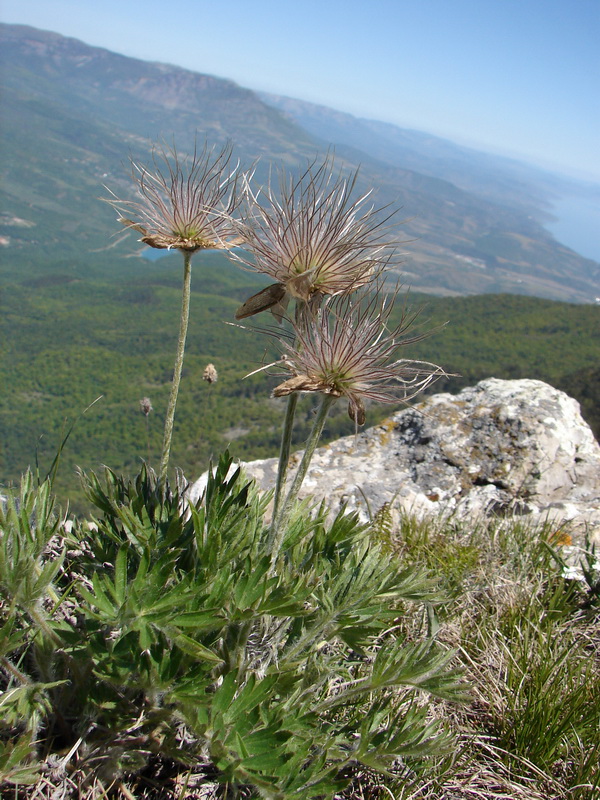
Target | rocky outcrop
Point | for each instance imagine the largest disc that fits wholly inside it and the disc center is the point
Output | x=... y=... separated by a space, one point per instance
x=498 y=448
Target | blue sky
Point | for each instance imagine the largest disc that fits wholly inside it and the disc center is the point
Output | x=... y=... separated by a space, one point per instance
x=518 y=77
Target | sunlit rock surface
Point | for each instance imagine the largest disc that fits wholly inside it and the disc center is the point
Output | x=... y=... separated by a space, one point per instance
x=498 y=448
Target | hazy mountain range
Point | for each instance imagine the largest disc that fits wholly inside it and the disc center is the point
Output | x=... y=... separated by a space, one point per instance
x=73 y=114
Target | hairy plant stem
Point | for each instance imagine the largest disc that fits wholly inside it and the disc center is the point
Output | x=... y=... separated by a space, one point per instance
x=286 y=443
x=148 y=440
x=39 y=620
x=183 y=326
x=14 y=671
x=284 y=457
x=280 y=522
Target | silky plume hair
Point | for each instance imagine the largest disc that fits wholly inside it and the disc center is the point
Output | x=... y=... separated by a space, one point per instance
x=312 y=238
x=184 y=202
x=347 y=350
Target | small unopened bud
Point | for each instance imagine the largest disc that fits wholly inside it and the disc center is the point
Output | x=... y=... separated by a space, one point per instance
x=210 y=374
x=145 y=406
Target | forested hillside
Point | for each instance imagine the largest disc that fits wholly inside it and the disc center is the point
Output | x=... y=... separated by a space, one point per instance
x=84 y=317
x=71 y=338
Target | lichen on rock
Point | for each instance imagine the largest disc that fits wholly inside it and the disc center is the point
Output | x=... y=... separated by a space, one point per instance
x=497 y=448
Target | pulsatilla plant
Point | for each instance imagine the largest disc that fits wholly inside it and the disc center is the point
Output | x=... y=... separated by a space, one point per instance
x=323 y=247
x=254 y=658
x=183 y=203
x=346 y=350
x=317 y=241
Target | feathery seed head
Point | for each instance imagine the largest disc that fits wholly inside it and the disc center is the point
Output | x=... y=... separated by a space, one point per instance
x=210 y=374
x=145 y=406
x=312 y=238
x=184 y=202
x=346 y=350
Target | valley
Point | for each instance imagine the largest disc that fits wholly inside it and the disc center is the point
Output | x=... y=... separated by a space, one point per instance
x=84 y=316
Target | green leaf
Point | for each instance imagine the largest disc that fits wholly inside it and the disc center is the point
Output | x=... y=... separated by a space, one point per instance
x=224 y=694
x=120 y=581
x=266 y=740
x=11 y=639
x=265 y=762
x=145 y=637
x=100 y=600
x=162 y=600
x=195 y=649
x=240 y=746
x=200 y=620
x=48 y=573
x=12 y=768
x=252 y=694
x=140 y=577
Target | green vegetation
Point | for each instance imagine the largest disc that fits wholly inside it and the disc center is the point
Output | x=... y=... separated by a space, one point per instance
x=71 y=337
x=511 y=336
x=152 y=654
x=162 y=634
x=155 y=649
x=525 y=628
x=73 y=114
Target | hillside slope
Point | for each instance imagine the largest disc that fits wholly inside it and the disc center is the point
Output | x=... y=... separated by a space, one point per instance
x=73 y=114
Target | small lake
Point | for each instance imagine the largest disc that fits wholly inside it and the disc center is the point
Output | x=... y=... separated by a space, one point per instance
x=577 y=224
x=154 y=253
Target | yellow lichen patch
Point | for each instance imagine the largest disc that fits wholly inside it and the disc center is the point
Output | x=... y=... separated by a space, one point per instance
x=385 y=430
x=561 y=538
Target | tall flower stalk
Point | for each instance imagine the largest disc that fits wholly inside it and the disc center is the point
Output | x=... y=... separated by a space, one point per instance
x=183 y=203
x=315 y=239
x=348 y=351
x=284 y=458
x=178 y=368
x=281 y=513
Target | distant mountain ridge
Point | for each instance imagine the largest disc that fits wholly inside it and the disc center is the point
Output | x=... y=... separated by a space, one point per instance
x=496 y=178
x=73 y=114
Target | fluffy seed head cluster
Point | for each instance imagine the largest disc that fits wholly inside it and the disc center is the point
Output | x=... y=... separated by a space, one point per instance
x=184 y=202
x=145 y=406
x=316 y=242
x=210 y=374
x=346 y=350
x=312 y=238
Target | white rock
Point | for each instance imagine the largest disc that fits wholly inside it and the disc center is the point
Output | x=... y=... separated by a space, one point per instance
x=500 y=447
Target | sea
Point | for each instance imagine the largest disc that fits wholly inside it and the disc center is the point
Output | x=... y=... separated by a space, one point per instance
x=577 y=224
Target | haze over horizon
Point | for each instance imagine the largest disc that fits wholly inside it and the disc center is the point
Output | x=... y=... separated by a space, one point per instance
x=518 y=78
